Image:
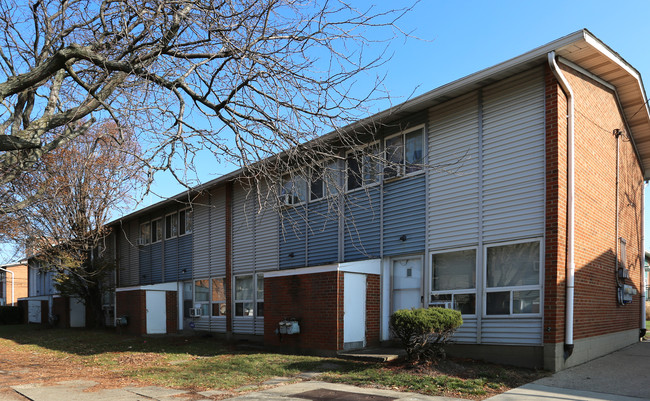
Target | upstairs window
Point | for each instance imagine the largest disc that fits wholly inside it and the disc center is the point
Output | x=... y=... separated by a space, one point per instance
x=156 y=231
x=404 y=153
x=171 y=226
x=324 y=181
x=294 y=190
x=363 y=167
x=185 y=222
x=145 y=234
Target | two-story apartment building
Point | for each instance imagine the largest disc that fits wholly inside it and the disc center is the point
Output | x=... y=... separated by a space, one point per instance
x=514 y=195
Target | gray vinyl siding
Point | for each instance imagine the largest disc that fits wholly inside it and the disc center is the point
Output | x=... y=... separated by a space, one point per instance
x=128 y=253
x=266 y=237
x=514 y=158
x=322 y=233
x=184 y=259
x=243 y=232
x=487 y=150
x=202 y=233
x=362 y=224
x=453 y=177
x=217 y=235
x=404 y=214
x=145 y=264
x=292 y=231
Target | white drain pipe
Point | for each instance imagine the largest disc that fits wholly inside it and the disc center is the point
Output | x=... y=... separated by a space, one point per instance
x=13 y=293
x=570 y=271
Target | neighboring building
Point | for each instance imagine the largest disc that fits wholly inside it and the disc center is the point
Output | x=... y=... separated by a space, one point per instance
x=489 y=227
x=13 y=282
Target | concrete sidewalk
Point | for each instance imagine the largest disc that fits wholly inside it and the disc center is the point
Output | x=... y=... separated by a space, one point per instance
x=623 y=375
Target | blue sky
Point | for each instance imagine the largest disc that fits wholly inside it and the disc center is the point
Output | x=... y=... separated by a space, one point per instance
x=462 y=37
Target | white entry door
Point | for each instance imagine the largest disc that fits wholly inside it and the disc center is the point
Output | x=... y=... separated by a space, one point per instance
x=156 y=312
x=77 y=313
x=34 y=311
x=354 y=310
x=407 y=283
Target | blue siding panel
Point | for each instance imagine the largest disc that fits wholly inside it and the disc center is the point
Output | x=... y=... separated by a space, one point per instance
x=156 y=263
x=361 y=225
x=322 y=233
x=292 y=238
x=184 y=258
x=404 y=214
x=171 y=260
x=144 y=261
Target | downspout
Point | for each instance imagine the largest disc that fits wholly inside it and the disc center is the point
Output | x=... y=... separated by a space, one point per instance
x=13 y=294
x=570 y=269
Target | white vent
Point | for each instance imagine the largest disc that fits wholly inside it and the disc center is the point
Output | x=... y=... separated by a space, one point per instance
x=195 y=312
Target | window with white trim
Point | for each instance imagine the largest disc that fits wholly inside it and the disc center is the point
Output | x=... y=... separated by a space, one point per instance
x=185 y=221
x=363 y=167
x=512 y=279
x=171 y=226
x=324 y=181
x=294 y=190
x=404 y=153
x=145 y=233
x=244 y=294
x=156 y=230
x=202 y=296
x=453 y=280
x=218 y=297
x=259 y=295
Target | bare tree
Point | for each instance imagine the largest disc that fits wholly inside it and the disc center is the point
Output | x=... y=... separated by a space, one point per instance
x=246 y=79
x=79 y=186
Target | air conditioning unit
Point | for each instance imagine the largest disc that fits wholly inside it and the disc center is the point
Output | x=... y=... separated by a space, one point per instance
x=442 y=304
x=195 y=312
x=142 y=242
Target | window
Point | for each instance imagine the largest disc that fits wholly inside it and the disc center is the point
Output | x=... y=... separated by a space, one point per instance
x=244 y=296
x=259 y=294
x=294 y=190
x=202 y=296
x=218 y=297
x=185 y=222
x=145 y=233
x=363 y=167
x=171 y=225
x=513 y=279
x=324 y=181
x=156 y=231
x=453 y=280
x=404 y=153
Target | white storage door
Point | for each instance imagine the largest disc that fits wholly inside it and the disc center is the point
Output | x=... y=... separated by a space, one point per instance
x=354 y=309
x=156 y=312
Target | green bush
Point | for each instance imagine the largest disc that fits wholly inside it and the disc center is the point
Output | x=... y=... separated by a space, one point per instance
x=424 y=332
x=11 y=315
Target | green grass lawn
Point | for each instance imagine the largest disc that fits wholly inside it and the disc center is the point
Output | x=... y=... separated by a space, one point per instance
x=199 y=362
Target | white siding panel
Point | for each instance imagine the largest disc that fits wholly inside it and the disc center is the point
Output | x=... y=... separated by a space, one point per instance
x=453 y=178
x=512 y=331
x=243 y=231
x=243 y=325
x=466 y=333
x=218 y=233
x=128 y=253
x=201 y=232
x=266 y=236
x=513 y=158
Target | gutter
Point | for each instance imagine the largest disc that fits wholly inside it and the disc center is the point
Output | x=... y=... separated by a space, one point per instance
x=570 y=269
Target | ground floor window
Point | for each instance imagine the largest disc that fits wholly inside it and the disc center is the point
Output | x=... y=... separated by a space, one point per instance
x=249 y=295
x=210 y=296
x=202 y=296
x=218 y=297
x=512 y=279
x=453 y=280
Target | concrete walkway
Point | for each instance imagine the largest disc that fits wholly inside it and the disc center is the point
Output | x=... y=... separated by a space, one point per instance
x=623 y=375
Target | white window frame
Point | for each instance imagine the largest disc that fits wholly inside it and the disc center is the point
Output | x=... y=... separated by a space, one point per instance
x=538 y=287
x=462 y=291
x=243 y=301
x=326 y=181
x=361 y=152
x=200 y=304
x=158 y=221
x=170 y=216
x=147 y=238
x=258 y=300
x=403 y=166
x=218 y=301
x=285 y=195
x=189 y=216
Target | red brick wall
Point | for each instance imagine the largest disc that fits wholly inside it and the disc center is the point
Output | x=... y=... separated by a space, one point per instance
x=596 y=116
x=171 y=301
x=316 y=300
x=373 y=297
x=133 y=305
x=61 y=308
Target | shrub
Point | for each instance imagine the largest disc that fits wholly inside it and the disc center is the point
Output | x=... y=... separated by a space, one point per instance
x=10 y=315
x=424 y=332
